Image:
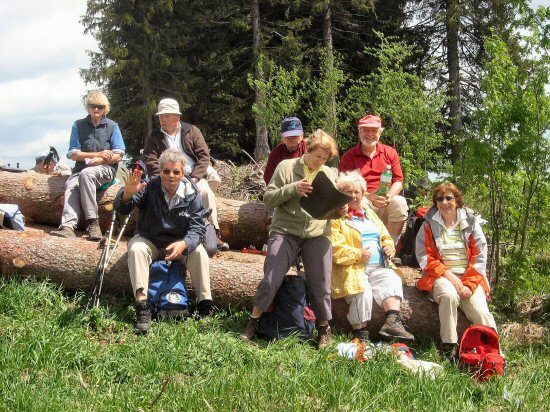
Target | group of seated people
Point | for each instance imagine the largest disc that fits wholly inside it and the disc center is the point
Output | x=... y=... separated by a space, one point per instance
x=348 y=256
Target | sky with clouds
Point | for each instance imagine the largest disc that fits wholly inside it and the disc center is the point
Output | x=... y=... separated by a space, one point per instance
x=42 y=48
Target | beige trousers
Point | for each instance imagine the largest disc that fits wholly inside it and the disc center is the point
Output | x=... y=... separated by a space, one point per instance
x=475 y=308
x=396 y=211
x=141 y=252
x=209 y=201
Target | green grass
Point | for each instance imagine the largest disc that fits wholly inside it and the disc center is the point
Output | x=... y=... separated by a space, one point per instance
x=56 y=357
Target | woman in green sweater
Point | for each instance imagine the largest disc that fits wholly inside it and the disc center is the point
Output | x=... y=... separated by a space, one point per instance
x=294 y=231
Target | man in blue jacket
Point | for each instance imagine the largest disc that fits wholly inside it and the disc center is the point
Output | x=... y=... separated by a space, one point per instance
x=171 y=226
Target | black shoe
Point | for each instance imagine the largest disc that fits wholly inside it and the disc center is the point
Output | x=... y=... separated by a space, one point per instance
x=449 y=351
x=205 y=308
x=94 y=231
x=393 y=328
x=143 y=318
x=250 y=330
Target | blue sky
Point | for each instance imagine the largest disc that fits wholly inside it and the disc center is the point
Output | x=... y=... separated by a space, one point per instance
x=42 y=48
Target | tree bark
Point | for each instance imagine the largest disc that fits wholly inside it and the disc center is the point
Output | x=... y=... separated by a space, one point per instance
x=452 y=22
x=234 y=277
x=40 y=198
x=261 y=151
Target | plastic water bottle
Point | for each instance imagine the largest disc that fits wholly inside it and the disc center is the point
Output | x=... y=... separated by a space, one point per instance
x=385 y=182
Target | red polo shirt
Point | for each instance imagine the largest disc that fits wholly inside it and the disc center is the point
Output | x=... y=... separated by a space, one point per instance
x=279 y=154
x=372 y=169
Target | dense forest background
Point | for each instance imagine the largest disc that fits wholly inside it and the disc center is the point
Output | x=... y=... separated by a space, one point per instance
x=462 y=87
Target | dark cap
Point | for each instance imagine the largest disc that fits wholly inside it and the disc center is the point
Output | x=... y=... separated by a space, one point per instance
x=291 y=126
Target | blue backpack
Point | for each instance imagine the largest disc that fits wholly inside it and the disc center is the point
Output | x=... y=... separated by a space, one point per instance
x=167 y=293
x=290 y=313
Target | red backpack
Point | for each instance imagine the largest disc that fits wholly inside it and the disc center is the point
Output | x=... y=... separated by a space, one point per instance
x=480 y=352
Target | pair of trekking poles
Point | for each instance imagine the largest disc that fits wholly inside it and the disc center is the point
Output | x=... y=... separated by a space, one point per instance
x=106 y=256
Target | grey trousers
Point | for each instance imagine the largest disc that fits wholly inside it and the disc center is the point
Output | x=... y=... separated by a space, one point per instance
x=80 y=193
x=282 y=251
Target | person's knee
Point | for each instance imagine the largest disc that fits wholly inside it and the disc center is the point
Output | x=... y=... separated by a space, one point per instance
x=398 y=209
x=138 y=249
x=86 y=175
x=449 y=298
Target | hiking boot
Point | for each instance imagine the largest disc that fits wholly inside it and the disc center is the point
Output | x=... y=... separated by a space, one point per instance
x=65 y=231
x=325 y=336
x=250 y=330
x=393 y=328
x=361 y=334
x=449 y=351
x=94 y=231
x=205 y=308
x=222 y=246
x=143 y=318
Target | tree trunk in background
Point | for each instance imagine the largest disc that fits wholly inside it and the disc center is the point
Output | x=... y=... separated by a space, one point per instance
x=234 y=277
x=261 y=150
x=327 y=26
x=452 y=21
x=332 y=120
x=40 y=198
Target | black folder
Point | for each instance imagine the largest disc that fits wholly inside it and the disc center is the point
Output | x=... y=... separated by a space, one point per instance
x=323 y=202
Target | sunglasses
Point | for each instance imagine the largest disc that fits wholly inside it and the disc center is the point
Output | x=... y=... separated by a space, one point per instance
x=442 y=198
x=174 y=172
x=97 y=106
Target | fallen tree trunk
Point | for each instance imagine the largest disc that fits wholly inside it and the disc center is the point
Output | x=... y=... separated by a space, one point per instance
x=40 y=198
x=234 y=276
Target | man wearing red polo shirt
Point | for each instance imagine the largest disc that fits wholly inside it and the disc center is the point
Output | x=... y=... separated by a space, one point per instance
x=371 y=158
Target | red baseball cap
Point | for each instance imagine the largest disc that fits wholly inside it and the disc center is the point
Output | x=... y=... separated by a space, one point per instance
x=370 y=121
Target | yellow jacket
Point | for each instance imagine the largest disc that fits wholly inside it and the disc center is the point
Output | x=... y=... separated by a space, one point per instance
x=347 y=267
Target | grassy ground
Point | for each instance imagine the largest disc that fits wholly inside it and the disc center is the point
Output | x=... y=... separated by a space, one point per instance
x=56 y=357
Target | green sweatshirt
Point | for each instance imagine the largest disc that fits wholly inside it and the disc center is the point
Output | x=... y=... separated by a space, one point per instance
x=282 y=194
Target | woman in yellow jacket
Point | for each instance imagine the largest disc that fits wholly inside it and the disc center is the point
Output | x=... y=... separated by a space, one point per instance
x=361 y=245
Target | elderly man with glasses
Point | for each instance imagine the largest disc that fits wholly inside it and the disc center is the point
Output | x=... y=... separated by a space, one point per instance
x=188 y=139
x=171 y=226
x=97 y=147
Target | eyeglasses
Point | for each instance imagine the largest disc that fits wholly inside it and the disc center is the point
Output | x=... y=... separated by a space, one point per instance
x=97 y=106
x=174 y=172
x=447 y=198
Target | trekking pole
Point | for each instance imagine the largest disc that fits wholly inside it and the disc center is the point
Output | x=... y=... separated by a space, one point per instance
x=110 y=256
x=94 y=297
x=120 y=233
x=107 y=257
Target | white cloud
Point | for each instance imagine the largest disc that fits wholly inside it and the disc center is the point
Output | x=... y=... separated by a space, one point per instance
x=42 y=48
x=51 y=92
